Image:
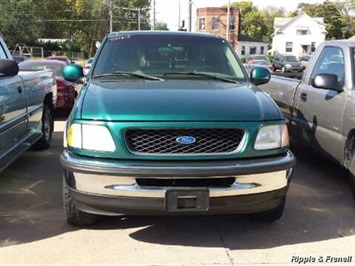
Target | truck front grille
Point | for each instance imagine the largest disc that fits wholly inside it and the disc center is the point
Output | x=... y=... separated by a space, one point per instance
x=165 y=141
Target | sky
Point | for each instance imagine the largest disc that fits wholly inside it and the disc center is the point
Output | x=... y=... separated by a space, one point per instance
x=168 y=10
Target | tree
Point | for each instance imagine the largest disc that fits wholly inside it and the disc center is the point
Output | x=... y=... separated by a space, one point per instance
x=269 y=14
x=339 y=24
x=161 y=26
x=252 y=24
x=17 y=23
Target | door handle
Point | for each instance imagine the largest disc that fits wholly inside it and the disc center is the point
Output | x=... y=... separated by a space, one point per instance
x=19 y=90
x=303 y=97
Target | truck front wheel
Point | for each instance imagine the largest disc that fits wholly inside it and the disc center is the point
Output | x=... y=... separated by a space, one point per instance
x=73 y=215
x=270 y=215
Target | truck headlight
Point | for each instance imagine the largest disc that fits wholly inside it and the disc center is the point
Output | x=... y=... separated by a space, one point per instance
x=90 y=137
x=272 y=137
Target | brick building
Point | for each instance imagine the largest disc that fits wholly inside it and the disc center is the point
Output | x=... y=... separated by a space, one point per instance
x=214 y=20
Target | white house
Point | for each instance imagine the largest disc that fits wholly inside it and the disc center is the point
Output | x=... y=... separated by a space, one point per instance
x=298 y=35
x=247 y=46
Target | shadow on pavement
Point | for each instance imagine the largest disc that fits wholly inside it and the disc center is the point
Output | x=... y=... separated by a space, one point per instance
x=319 y=207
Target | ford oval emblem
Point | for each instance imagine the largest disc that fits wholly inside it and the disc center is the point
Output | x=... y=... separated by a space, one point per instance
x=186 y=140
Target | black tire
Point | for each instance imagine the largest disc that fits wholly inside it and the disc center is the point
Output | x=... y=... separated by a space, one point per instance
x=270 y=215
x=352 y=184
x=47 y=129
x=73 y=215
x=350 y=163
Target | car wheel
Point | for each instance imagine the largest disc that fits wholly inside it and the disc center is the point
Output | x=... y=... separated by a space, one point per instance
x=350 y=162
x=73 y=215
x=352 y=182
x=47 y=129
x=270 y=215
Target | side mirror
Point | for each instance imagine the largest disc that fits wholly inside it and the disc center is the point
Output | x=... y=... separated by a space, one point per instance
x=73 y=73
x=8 y=68
x=260 y=75
x=327 y=81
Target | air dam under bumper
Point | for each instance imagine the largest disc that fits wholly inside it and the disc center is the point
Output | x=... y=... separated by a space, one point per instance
x=109 y=187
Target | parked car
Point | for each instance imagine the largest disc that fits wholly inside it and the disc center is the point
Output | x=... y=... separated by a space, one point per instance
x=20 y=58
x=170 y=123
x=66 y=90
x=88 y=66
x=257 y=57
x=287 y=63
x=320 y=108
x=304 y=61
x=258 y=63
x=61 y=58
x=27 y=102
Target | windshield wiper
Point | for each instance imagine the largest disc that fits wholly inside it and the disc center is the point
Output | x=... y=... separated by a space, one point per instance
x=129 y=74
x=203 y=74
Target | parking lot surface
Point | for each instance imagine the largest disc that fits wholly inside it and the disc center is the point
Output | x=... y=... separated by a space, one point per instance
x=319 y=221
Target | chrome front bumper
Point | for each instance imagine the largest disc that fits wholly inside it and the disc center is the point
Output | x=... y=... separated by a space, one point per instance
x=118 y=178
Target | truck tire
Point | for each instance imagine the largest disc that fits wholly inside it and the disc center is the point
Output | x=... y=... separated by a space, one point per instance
x=352 y=182
x=73 y=215
x=47 y=129
x=350 y=162
x=270 y=215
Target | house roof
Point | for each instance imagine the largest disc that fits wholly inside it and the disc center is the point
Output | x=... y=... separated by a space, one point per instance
x=281 y=23
x=243 y=38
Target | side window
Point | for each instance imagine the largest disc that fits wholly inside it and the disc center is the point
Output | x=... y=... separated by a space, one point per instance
x=331 y=61
x=2 y=53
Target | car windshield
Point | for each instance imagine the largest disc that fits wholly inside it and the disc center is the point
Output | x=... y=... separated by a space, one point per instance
x=157 y=55
x=259 y=62
x=261 y=57
x=291 y=58
x=26 y=65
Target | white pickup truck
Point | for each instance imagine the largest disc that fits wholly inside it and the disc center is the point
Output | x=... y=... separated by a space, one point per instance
x=320 y=108
x=27 y=101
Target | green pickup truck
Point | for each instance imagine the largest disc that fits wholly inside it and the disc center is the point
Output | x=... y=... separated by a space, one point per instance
x=27 y=101
x=170 y=123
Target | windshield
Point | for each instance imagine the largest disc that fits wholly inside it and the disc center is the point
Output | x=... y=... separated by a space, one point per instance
x=291 y=58
x=157 y=55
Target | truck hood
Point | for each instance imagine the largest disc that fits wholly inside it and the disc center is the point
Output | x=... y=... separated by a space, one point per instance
x=176 y=100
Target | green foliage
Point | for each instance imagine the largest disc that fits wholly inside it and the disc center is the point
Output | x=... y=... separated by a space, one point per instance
x=339 y=24
x=81 y=22
x=252 y=24
x=17 y=22
x=268 y=15
x=161 y=26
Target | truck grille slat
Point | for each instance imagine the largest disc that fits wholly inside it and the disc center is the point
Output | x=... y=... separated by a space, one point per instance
x=164 y=141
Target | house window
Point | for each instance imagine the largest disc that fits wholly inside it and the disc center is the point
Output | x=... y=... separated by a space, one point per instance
x=252 y=50
x=243 y=50
x=288 y=47
x=232 y=23
x=313 y=46
x=202 y=24
x=215 y=23
x=262 y=49
x=301 y=32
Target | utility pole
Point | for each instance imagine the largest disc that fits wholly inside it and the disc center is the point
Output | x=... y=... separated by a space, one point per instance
x=190 y=14
x=179 y=16
x=111 y=16
x=228 y=19
x=139 y=18
x=153 y=26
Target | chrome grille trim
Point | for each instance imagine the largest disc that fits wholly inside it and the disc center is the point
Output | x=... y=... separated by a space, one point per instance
x=162 y=141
